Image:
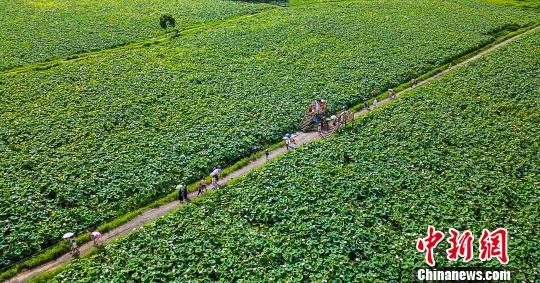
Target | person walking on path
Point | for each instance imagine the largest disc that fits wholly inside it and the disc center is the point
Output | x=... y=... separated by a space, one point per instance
x=266 y=154
x=413 y=83
x=375 y=103
x=95 y=238
x=180 y=188
x=366 y=103
x=215 y=175
x=202 y=186
x=391 y=94
x=344 y=115
x=73 y=248
x=215 y=182
x=185 y=194
x=75 y=252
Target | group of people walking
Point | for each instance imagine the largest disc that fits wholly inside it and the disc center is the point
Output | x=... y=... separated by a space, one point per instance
x=323 y=122
x=74 y=248
x=290 y=140
x=391 y=95
x=202 y=187
x=317 y=109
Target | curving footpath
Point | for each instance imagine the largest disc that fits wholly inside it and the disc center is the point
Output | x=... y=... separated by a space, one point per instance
x=302 y=138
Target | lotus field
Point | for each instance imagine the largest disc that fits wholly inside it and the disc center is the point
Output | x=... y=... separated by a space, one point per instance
x=433 y=157
x=89 y=140
x=36 y=31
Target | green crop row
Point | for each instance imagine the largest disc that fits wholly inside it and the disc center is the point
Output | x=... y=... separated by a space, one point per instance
x=459 y=153
x=36 y=31
x=87 y=141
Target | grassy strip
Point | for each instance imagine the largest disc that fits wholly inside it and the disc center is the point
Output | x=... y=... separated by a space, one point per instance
x=62 y=248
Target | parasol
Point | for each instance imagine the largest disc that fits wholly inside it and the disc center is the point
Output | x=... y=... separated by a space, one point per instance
x=68 y=235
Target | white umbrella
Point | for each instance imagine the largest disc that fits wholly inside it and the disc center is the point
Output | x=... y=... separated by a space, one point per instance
x=285 y=138
x=334 y=117
x=68 y=235
x=215 y=172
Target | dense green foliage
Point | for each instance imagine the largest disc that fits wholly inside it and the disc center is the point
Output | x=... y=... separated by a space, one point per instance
x=89 y=140
x=39 y=30
x=529 y=4
x=459 y=153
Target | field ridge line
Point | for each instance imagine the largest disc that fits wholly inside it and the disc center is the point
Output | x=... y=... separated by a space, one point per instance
x=47 y=64
x=303 y=138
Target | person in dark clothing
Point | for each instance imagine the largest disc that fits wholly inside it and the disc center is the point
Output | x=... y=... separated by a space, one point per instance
x=202 y=186
x=267 y=154
x=366 y=103
x=180 y=188
x=185 y=194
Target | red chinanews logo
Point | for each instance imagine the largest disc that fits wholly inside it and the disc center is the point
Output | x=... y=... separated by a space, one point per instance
x=491 y=245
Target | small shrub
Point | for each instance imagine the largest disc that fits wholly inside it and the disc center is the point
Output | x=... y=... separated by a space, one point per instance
x=166 y=21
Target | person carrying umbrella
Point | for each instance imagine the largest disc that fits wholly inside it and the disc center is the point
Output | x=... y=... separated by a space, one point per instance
x=287 y=141
x=180 y=188
x=292 y=140
x=74 y=248
x=215 y=177
x=391 y=94
x=185 y=194
x=95 y=237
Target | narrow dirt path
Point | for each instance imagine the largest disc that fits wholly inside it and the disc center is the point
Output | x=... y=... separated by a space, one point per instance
x=301 y=139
